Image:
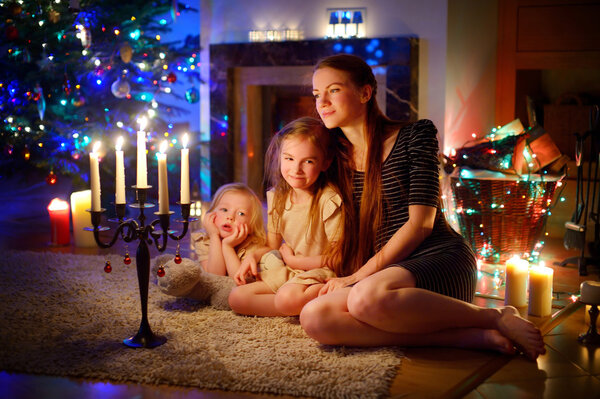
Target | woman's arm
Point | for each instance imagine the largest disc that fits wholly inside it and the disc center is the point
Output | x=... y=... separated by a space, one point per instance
x=419 y=226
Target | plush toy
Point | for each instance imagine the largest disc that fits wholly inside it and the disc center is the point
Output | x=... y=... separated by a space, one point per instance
x=188 y=279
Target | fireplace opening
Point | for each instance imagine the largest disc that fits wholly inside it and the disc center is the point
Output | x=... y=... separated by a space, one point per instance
x=270 y=108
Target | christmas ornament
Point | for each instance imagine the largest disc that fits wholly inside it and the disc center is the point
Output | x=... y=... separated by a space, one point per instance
x=85 y=35
x=53 y=16
x=174 y=10
x=192 y=95
x=15 y=9
x=127 y=259
x=120 y=88
x=107 y=267
x=74 y=6
x=78 y=100
x=126 y=52
x=41 y=101
x=26 y=153
x=171 y=77
x=51 y=178
x=177 y=256
x=161 y=271
x=12 y=33
x=67 y=85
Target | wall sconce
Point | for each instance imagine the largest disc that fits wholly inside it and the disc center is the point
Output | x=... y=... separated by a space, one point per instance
x=274 y=35
x=346 y=22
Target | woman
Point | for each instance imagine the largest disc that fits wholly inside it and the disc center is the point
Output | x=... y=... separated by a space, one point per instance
x=409 y=278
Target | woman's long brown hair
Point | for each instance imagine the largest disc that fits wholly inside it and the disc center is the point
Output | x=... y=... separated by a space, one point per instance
x=360 y=241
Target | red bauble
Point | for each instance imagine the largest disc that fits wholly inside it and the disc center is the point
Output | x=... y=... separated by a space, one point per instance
x=107 y=267
x=51 y=178
x=127 y=259
x=12 y=33
x=171 y=77
x=177 y=259
x=160 y=272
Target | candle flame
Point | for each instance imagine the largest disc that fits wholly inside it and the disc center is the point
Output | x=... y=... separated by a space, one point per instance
x=58 y=205
x=119 y=143
x=96 y=146
x=163 y=147
x=185 y=140
x=143 y=121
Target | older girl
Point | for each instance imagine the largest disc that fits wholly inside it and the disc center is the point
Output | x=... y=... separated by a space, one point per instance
x=305 y=217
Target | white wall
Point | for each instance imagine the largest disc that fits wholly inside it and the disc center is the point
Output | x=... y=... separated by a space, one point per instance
x=230 y=21
x=470 y=70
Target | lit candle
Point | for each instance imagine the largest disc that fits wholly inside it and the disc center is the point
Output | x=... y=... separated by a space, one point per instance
x=120 y=173
x=95 y=177
x=163 y=186
x=515 y=292
x=540 y=291
x=142 y=174
x=59 y=222
x=81 y=201
x=185 y=171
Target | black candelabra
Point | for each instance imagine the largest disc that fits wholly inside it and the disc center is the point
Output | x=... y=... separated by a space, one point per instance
x=156 y=232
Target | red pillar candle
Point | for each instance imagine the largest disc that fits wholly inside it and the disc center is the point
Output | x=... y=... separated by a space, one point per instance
x=59 y=222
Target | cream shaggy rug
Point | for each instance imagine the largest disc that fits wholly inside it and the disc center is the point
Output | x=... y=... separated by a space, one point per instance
x=61 y=314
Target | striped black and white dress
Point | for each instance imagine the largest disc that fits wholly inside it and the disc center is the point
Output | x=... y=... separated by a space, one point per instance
x=444 y=262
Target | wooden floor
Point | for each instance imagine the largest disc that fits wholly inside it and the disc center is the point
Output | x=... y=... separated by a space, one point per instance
x=568 y=369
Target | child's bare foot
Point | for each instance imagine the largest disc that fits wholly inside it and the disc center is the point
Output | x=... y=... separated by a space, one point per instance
x=524 y=334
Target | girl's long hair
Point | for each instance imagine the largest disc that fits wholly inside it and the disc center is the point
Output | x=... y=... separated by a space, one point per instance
x=317 y=134
x=362 y=236
x=257 y=235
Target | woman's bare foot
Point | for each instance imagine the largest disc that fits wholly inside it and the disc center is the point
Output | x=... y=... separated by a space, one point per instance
x=523 y=333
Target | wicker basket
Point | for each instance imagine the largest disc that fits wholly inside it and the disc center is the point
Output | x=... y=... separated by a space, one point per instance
x=501 y=217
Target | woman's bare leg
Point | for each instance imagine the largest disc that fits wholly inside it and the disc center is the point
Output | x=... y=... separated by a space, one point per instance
x=420 y=318
x=326 y=319
x=254 y=299
x=382 y=299
x=291 y=297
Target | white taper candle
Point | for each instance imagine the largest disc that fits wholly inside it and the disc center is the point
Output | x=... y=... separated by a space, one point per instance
x=185 y=171
x=163 y=186
x=142 y=173
x=95 y=177
x=119 y=173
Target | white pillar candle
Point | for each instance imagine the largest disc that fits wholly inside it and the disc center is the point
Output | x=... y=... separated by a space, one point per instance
x=163 y=186
x=95 y=177
x=185 y=171
x=120 y=174
x=142 y=173
x=540 y=291
x=81 y=201
x=515 y=292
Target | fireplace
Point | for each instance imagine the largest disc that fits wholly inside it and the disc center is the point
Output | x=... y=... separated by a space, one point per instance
x=256 y=88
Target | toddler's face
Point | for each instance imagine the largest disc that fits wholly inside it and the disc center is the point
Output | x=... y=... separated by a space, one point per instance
x=232 y=210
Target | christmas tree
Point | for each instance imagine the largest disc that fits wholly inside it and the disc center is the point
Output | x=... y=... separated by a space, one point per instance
x=75 y=72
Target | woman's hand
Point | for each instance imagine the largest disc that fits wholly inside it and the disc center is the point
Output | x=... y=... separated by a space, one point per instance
x=247 y=266
x=209 y=224
x=238 y=235
x=336 y=283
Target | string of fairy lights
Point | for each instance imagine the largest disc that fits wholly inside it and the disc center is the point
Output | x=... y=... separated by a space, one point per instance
x=74 y=74
x=491 y=199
